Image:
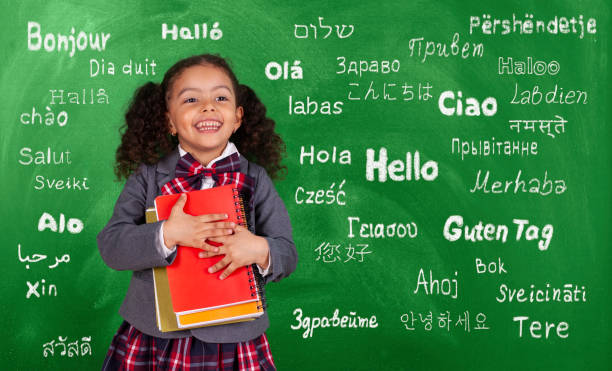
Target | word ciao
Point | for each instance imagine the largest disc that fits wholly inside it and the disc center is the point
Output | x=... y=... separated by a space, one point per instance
x=35 y=258
x=311 y=107
x=539 y=68
x=300 y=31
x=274 y=70
x=525 y=26
x=71 y=349
x=47 y=157
x=444 y=320
x=36 y=118
x=329 y=252
x=445 y=287
x=454 y=230
x=351 y=321
x=69 y=183
x=321 y=196
x=570 y=293
x=420 y=47
x=380 y=230
x=82 y=97
x=47 y=221
x=398 y=170
x=542 y=187
x=71 y=43
x=102 y=67
x=185 y=33
x=374 y=66
x=473 y=107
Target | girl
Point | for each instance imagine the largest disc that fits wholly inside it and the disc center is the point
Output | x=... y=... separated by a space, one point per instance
x=199 y=118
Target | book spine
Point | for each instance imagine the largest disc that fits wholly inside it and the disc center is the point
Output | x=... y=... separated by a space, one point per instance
x=256 y=281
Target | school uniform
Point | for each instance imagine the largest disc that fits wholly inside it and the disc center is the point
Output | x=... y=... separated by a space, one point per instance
x=128 y=243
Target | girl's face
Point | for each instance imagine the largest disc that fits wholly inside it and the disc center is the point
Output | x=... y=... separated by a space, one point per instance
x=202 y=111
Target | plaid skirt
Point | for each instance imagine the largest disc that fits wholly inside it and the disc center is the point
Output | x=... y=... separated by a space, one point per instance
x=133 y=350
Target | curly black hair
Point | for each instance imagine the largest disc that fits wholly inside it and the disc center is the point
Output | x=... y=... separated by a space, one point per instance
x=145 y=135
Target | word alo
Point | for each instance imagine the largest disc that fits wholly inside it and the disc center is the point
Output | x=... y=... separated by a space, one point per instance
x=47 y=221
x=398 y=170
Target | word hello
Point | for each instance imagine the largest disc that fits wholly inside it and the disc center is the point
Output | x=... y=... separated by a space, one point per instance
x=555 y=96
x=437 y=287
x=47 y=221
x=539 y=68
x=490 y=232
x=45 y=289
x=95 y=41
x=61 y=119
x=47 y=157
x=399 y=170
x=185 y=33
x=274 y=71
x=323 y=156
x=101 y=67
x=311 y=107
x=472 y=108
x=536 y=326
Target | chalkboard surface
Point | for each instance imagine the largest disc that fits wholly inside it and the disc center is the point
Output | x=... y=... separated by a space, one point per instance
x=448 y=175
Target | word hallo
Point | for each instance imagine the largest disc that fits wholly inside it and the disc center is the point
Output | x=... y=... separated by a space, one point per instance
x=398 y=170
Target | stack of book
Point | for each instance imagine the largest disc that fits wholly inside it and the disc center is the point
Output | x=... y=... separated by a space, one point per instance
x=186 y=295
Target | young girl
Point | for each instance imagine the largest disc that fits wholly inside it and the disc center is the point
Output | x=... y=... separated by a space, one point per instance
x=195 y=130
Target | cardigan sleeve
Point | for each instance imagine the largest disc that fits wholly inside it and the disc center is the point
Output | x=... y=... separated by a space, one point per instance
x=272 y=222
x=127 y=242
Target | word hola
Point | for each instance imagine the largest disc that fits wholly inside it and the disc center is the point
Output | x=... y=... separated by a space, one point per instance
x=437 y=287
x=274 y=71
x=80 y=42
x=61 y=119
x=398 y=170
x=322 y=156
x=472 y=108
x=47 y=221
x=131 y=68
x=186 y=34
x=539 y=68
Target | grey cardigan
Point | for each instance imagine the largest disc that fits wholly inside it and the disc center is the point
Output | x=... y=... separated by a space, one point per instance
x=127 y=243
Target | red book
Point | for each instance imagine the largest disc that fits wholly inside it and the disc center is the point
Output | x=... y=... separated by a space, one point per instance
x=192 y=288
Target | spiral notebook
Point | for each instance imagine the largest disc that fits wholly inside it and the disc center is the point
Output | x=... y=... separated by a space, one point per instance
x=199 y=298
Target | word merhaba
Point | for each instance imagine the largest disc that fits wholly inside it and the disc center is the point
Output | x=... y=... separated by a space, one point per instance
x=453 y=231
x=542 y=187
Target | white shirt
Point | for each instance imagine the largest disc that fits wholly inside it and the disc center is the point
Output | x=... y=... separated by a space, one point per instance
x=207 y=182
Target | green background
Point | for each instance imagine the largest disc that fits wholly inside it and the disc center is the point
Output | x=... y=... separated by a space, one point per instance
x=383 y=284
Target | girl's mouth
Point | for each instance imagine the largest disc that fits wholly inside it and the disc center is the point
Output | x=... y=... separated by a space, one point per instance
x=208 y=126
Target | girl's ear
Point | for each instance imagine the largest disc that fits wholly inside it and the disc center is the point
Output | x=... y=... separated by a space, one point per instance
x=171 y=127
x=239 y=115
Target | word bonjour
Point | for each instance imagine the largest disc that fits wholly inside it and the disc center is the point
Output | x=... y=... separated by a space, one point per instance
x=185 y=33
x=351 y=321
x=490 y=232
x=102 y=67
x=80 y=42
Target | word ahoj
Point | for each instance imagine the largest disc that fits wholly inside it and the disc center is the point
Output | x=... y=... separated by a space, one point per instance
x=446 y=286
x=95 y=41
x=185 y=33
x=542 y=187
x=274 y=71
x=473 y=107
x=47 y=221
x=398 y=170
x=102 y=67
x=50 y=118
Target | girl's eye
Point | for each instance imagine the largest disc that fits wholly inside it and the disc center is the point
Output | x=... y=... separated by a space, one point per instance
x=189 y=100
x=222 y=98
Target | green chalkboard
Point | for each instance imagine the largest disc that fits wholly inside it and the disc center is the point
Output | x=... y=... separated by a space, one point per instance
x=448 y=175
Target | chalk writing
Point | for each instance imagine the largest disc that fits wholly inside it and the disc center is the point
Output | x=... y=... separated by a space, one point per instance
x=509 y=66
x=47 y=157
x=329 y=252
x=490 y=267
x=493 y=147
x=490 y=232
x=390 y=91
x=445 y=286
x=300 y=31
x=555 y=96
x=399 y=170
x=525 y=26
x=472 y=106
x=46 y=289
x=47 y=221
x=35 y=258
x=373 y=66
x=71 y=349
x=59 y=184
x=311 y=107
x=536 y=185
x=567 y=293
x=444 y=321
x=419 y=47
x=352 y=320
x=529 y=125
x=380 y=230
x=323 y=156
x=131 y=68
x=59 y=42
x=35 y=118
x=187 y=33
x=274 y=70
x=79 y=97
x=536 y=326
x=328 y=196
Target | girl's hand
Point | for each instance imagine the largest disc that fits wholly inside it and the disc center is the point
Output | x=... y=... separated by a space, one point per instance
x=188 y=230
x=240 y=249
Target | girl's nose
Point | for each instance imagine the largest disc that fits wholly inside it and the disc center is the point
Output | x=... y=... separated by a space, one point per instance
x=207 y=105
